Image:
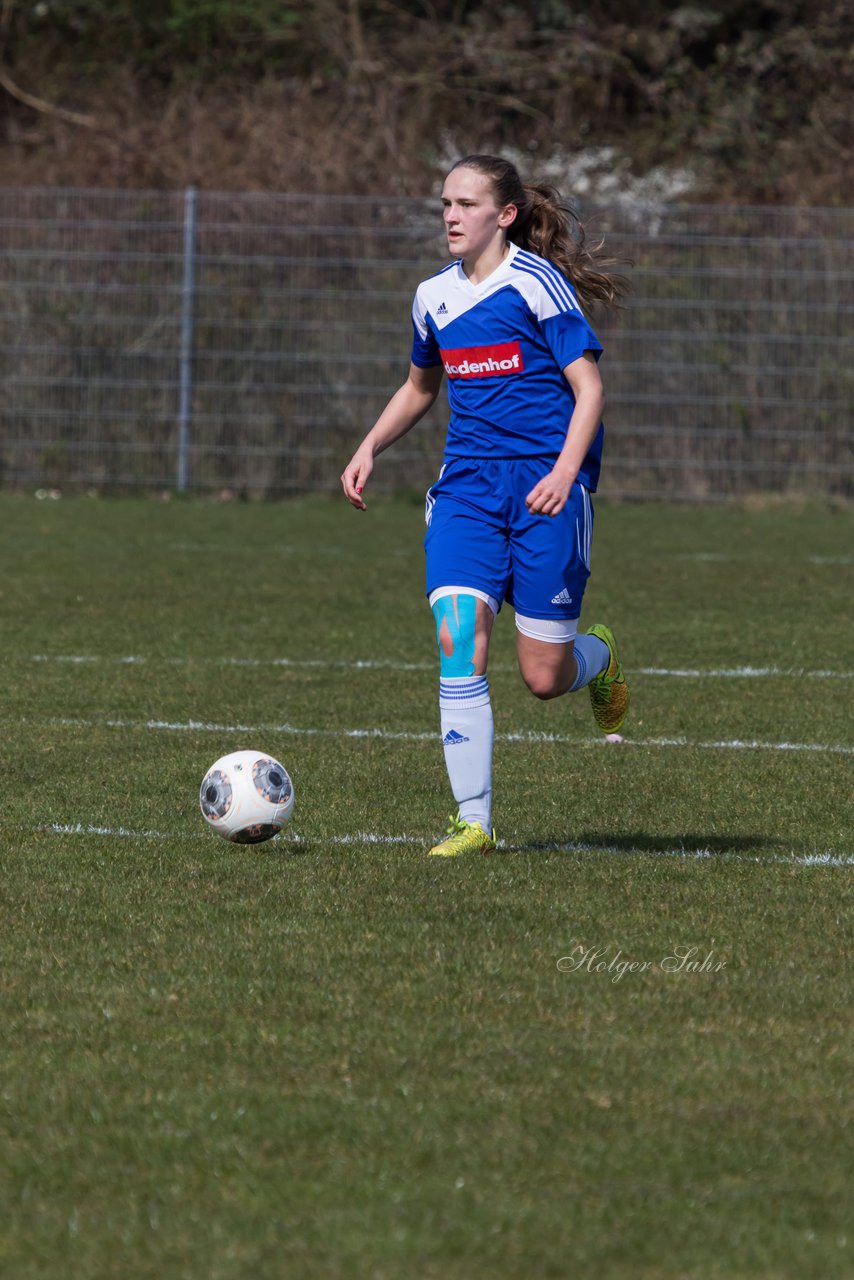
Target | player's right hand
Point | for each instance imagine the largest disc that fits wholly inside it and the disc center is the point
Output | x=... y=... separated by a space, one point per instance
x=355 y=476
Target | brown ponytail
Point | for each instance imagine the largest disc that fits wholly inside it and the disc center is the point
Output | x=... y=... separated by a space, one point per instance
x=548 y=225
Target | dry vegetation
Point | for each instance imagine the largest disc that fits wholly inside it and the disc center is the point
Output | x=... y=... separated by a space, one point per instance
x=364 y=95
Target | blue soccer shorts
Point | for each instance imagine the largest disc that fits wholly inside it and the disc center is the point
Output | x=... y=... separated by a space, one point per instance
x=480 y=534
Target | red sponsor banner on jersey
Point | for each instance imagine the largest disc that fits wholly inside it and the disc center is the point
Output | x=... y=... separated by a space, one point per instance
x=484 y=362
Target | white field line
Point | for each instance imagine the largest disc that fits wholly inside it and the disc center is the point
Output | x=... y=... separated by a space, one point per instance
x=373 y=837
x=715 y=557
x=289 y=730
x=390 y=664
x=741 y=673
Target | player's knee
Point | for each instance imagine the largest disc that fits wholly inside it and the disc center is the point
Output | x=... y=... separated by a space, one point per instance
x=544 y=647
x=456 y=632
x=545 y=684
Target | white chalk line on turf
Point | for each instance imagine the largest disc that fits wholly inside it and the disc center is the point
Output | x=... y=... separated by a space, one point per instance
x=572 y=846
x=715 y=557
x=390 y=664
x=289 y=730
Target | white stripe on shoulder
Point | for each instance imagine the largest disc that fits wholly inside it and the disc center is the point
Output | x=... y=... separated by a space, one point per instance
x=555 y=284
x=545 y=268
x=553 y=280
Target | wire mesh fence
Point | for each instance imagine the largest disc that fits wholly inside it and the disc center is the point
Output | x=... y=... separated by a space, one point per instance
x=246 y=342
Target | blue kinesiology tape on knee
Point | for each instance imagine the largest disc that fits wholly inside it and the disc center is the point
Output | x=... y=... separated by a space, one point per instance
x=455 y=624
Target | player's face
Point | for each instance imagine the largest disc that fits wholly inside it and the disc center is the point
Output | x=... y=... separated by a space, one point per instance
x=474 y=223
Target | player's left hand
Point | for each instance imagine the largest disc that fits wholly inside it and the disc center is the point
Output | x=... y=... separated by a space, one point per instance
x=548 y=496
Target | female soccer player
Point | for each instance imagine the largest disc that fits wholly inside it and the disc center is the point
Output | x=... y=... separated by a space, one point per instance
x=510 y=516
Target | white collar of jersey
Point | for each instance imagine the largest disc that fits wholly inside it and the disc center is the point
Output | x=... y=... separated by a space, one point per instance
x=489 y=281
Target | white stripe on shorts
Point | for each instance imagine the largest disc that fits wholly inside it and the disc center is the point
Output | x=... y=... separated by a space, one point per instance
x=584 y=536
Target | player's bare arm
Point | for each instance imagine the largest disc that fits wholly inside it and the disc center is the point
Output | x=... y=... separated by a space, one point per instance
x=549 y=496
x=407 y=406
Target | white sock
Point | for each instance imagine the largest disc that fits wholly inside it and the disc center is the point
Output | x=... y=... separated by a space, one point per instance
x=467 y=734
x=592 y=656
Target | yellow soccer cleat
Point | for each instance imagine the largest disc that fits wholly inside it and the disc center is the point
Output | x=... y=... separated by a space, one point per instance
x=463 y=837
x=609 y=692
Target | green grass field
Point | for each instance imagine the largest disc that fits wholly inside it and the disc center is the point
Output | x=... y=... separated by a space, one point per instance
x=327 y=1056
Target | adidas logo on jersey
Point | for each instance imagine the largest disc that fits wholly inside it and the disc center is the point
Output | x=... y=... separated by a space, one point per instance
x=453 y=738
x=562 y=597
x=441 y=310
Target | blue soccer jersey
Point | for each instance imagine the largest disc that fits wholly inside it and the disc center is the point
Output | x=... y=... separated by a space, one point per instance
x=503 y=344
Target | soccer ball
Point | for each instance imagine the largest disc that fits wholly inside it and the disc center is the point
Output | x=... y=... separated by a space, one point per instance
x=247 y=797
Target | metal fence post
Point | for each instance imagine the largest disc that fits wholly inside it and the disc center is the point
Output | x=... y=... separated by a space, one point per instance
x=185 y=372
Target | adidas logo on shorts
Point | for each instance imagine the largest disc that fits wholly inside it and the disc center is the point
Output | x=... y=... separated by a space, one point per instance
x=562 y=597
